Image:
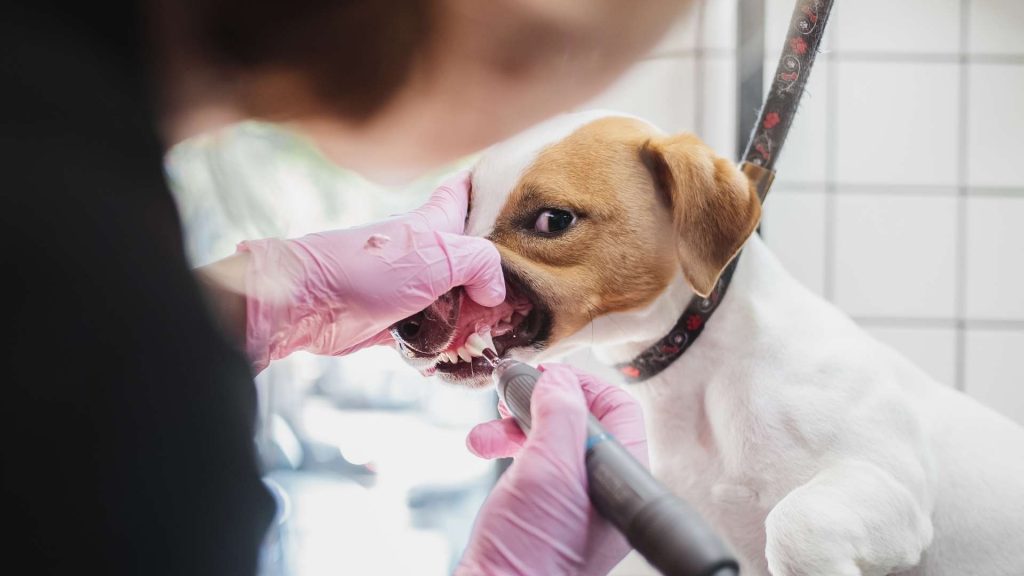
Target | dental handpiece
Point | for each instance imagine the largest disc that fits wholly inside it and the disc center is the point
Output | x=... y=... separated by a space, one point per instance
x=669 y=534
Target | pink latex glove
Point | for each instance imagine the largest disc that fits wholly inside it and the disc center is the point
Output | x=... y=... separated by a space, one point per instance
x=538 y=519
x=336 y=292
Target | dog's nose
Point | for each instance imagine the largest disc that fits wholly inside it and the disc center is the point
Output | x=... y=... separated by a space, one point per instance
x=409 y=328
x=428 y=332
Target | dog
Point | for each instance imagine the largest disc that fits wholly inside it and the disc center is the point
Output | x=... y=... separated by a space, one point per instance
x=810 y=447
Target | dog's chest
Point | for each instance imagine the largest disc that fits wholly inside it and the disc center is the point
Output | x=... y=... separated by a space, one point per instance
x=718 y=474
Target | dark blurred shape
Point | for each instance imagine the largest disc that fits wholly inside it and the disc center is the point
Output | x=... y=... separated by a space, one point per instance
x=127 y=419
x=352 y=54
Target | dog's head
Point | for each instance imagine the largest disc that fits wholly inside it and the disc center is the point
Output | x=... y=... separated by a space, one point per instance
x=593 y=214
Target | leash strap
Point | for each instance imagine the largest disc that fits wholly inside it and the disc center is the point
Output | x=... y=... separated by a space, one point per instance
x=773 y=122
x=805 y=32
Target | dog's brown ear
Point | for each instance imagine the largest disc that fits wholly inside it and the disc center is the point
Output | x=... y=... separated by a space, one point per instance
x=714 y=206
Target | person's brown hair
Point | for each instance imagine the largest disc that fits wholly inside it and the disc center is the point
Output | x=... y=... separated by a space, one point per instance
x=351 y=55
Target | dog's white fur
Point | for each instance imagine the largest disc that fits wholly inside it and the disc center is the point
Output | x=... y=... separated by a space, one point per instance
x=814 y=449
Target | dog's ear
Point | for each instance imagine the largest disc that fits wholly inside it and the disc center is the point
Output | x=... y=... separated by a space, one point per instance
x=714 y=206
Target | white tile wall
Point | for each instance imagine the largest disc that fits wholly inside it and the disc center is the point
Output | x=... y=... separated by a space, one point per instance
x=995 y=370
x=719 y=24
x=894 y=255
x=931 y=349
x=897 y=26
x=794 y=228
x=717 y=121
x=996 y=27
x=996 y=124
x=897 y=123
x=995 y=258
x=660 y=91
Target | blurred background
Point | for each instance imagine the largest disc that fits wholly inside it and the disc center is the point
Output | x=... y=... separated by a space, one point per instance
x=899 y=197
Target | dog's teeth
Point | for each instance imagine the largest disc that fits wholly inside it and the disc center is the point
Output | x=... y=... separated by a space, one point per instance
x=464 y=354
x=507 y=319
x=488 y=342
x=447 y=356
x=475 y=344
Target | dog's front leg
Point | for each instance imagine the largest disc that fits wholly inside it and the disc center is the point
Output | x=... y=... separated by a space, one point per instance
x=851 y=519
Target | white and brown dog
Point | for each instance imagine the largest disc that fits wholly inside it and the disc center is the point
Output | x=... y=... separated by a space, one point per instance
x=812 y=448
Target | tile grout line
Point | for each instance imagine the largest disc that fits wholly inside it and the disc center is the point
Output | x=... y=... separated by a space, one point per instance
x=831 y=156
x=930 y=58
x=695 y=52
x=960 y=262
x=1012 y=325
x=923 y=190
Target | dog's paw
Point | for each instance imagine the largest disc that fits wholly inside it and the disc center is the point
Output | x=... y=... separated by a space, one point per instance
x=852 y=519
x=805 y=539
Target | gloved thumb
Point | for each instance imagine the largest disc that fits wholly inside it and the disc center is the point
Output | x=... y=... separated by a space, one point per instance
x=445 y=210
x=475 y=264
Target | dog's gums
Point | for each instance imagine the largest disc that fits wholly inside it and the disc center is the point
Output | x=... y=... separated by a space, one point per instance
x=451 y=334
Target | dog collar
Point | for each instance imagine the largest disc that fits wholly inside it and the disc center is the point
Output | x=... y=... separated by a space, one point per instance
x=664 y=352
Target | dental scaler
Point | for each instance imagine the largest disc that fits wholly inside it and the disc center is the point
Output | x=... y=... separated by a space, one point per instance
x=660 y=526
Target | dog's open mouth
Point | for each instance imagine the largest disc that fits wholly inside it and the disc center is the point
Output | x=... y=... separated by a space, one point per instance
x=447 y=338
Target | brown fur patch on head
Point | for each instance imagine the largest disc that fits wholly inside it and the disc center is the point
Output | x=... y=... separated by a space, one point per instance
x=620 y=254
x=714 y=207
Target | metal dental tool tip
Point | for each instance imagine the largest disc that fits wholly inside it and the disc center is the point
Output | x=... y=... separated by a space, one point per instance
x=491 y=356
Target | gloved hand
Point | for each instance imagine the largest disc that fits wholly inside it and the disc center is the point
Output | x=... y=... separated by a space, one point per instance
x=538 y=519
x=336 y=292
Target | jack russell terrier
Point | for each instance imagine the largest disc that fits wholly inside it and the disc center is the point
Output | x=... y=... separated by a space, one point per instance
x=813 y=449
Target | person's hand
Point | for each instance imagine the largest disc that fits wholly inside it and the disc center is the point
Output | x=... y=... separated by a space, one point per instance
x=538 y=519
x=336 y=292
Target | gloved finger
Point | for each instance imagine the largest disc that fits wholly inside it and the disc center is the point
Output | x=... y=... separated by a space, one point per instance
x=476 y=265
x=445 y=210
x=617 y=410
x=558 y=411
x=500 y=438
x=503 y=409
x=382 y=338
x=608 y=401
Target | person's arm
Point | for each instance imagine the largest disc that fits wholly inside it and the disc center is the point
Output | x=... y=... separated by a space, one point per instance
x=223 y=283
x=337 y=292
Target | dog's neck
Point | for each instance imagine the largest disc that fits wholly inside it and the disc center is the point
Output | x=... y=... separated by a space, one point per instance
x=619 y=337
x=665 y=351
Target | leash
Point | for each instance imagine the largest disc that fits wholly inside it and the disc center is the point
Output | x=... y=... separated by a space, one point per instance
x=773 y=123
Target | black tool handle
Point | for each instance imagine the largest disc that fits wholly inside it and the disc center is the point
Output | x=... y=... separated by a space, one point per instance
x=660 y=526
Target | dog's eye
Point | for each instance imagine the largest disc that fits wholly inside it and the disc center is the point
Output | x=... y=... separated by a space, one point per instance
x=553 y=221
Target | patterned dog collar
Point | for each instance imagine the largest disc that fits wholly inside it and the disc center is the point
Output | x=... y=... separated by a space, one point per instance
x=664 y=352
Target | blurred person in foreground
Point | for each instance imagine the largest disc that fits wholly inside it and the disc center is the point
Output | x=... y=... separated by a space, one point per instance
x=128 y=409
